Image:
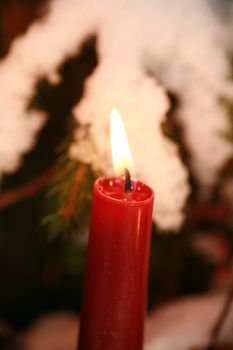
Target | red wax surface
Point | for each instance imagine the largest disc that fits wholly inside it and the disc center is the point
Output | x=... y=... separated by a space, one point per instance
x=115 y=291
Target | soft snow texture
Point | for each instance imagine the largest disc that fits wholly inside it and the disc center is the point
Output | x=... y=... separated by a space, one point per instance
x=181 y=325
x=187 y=324
x=184 y=47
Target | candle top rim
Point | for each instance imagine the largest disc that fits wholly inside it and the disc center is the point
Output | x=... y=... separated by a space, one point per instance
x=112 y=189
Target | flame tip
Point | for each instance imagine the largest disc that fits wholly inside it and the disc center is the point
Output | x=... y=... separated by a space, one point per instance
x=120 y=148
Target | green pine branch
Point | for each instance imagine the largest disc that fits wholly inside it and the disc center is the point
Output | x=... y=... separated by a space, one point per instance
x=68 y=197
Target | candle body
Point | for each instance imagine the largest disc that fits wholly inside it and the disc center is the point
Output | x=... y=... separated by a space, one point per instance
x=115 y=291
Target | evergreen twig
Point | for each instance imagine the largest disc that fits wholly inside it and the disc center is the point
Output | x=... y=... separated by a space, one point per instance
x=68 y=198
x=69 y=208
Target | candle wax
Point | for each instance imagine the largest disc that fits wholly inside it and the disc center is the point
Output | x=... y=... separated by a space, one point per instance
x=115 y=291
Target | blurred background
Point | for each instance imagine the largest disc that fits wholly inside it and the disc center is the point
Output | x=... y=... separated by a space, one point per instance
x=45 y=202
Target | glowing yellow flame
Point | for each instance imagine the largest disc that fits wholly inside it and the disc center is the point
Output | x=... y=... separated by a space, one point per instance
x=121 y=154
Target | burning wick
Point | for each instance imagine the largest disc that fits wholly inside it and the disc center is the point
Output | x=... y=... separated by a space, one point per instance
x=127 y=181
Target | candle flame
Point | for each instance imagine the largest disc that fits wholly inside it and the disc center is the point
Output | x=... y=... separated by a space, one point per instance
x=121 y=154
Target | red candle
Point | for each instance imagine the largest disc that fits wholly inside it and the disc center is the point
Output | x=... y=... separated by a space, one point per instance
x=115 y=291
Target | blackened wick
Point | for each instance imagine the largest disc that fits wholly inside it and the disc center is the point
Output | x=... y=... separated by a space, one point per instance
x=127 y=181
